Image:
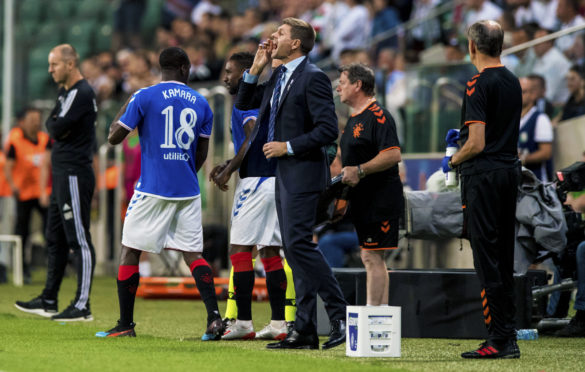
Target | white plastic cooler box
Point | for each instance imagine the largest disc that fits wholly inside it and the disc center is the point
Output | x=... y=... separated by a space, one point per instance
x=373 y=331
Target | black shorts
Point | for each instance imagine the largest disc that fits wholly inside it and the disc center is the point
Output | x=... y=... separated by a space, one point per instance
x=378 y=235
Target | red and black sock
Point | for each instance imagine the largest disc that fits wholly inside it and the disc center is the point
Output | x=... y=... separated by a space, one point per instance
x=201 y=271
x=276 y=285
x=243 y=283
x=128 y=279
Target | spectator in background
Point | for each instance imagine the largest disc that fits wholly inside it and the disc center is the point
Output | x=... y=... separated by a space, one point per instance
x=183 y=31
x=203 y=66
x=25 y=159
x=140 y=73
x=390 y=80
x=222 y=34
x=539 y=90
x=176 y=9
x=545 y=13
x=334 y=13
x=428 y=31
x=204 y=7
x=575 y=106
x=536 y=135
x=238 y=28
x=98 y=79
x=568 y=14
x=478 y=10
x=553 y=66
x=526 y=57
x=128 y=24
x=353 y=31
x=385 y=18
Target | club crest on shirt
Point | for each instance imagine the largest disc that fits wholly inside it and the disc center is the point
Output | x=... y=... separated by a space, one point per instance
x=357 y=130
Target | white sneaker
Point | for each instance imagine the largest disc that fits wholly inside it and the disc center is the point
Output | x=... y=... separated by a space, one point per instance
x=275 y=330
x=239 y=331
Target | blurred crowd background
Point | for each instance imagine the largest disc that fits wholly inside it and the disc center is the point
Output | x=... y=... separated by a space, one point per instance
x=417 y=48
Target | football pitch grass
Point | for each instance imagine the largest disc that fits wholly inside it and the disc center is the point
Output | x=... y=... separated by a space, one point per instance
x=169 y=334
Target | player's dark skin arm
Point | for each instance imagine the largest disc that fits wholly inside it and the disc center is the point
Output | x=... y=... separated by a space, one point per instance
x=474 y=145
x=118 y=132
x=201 y=152
x=221 y=174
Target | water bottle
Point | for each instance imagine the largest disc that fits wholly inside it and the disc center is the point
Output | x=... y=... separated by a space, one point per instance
x=527 y=334
x=451 y=177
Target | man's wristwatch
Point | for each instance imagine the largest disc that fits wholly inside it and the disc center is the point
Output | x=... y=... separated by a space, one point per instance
x=361 y=173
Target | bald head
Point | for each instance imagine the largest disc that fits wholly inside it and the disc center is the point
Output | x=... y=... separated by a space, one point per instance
x=63 y=62
x=67 y=53
x=487 y=36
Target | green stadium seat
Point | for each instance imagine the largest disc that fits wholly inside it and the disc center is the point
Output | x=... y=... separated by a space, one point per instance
x=92 y=9
x=38 y=57
x=151 y=18
x=38 y=83
x=64 y=9
x=30 y=11
x=103 y=38
x=50 y=33
x=81 y=35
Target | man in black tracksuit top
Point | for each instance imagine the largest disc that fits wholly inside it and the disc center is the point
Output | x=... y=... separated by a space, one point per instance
x=490 y=172
x=71 y=126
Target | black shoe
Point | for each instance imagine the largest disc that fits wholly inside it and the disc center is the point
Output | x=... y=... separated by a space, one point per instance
x=290 y=326
x=214 y=331
x=336 y=335
x=575 y=328
x=38 y=306
x=490 y=350
x=73 y=314
x=295 y=340
x=119 y=331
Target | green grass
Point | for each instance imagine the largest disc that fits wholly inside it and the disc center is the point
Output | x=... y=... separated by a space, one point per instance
x=169 y=340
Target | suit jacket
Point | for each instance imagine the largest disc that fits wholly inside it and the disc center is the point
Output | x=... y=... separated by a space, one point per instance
x=305 y=117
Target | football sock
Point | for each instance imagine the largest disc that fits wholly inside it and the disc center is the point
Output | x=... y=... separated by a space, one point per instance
x=243 y=283
x=290 y=308
x=231 y=310
x=128 y=279
x=276 y=285
x=201 y=271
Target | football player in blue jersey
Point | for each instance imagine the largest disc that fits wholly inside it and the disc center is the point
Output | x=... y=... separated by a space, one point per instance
x=254 y=224
x=174 y=124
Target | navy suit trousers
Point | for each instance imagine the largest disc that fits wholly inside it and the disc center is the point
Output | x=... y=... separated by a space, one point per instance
x=312 y=274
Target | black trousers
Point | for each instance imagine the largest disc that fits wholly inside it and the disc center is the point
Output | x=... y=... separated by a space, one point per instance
x=311 y=273
x=68 y=223
x=24 y=210
x=489 y=201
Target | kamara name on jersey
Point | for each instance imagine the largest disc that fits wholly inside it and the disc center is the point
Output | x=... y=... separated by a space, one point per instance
x=176 y=156
x=178 y=92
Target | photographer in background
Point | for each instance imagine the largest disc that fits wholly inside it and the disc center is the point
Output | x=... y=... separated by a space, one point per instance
x=576 y=327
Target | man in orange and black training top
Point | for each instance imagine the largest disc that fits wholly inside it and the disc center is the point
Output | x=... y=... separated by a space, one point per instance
x=25 y=158
x=490 y=172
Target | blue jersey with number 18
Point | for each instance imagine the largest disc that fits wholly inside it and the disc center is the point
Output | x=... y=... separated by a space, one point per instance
x=170 y=118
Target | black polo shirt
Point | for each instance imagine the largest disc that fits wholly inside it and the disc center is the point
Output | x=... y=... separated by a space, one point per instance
x=378 y=196
x=492 y=98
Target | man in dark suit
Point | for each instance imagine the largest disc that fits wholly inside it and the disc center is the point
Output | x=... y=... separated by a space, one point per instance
x=296 y=120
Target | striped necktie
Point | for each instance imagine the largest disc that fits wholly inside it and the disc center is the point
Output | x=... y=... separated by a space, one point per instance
x=275 y=101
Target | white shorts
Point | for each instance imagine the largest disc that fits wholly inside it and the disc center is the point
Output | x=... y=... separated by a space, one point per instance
x=254 y=218
x=153 y=224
